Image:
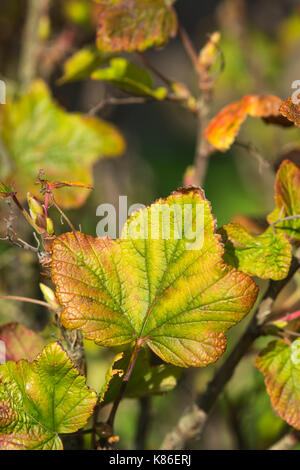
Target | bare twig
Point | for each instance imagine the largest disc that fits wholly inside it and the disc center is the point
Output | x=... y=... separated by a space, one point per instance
x=26 y=299
x=190 y=49
x=192 y=422
x=63 y=214
x=283 y=219
x=144 y=421
x=262 y=163
x=112 y=101
x=153 y=69
x=203 y=149
x=206 y=83
x=30 y=42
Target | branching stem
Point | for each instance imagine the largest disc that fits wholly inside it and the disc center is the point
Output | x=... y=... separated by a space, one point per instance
x=124 y=384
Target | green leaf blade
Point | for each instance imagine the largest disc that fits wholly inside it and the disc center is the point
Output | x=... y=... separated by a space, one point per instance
x=42 y=399
x=129 y=78
x=267 y=256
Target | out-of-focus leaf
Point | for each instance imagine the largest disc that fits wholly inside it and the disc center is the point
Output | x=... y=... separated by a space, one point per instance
x=223 y=129
x=135 y=25
x=83 y=63
x=42 y=399
x=130 y=78
x=291 y=111
x=40 y=134
x=267 y=255
x=168 y=290
x=280 y=364
x=209 y=52
x=20 y=342
x=145 y=380
x=287 y=199
x=78 y=11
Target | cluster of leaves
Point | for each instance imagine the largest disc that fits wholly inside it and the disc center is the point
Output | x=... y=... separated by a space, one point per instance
x=145 y=292
x=137 y=292
x=268 y=255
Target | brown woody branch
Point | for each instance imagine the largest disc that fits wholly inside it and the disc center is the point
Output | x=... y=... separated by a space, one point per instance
x=30 y=42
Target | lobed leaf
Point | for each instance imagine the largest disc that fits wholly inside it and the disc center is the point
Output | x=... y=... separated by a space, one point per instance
x=287 y=200
x=20 y=342
x=130 y=78
x=267 y=255
x=280 y=364
x=135 y=25
x=160 y=284
x=40 y=134
x=146 y=380
x=42 y=399
x=223 y=129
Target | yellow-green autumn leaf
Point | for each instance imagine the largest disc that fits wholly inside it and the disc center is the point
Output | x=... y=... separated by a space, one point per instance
x=38 y=133
x=42 y=399
x=129 y=78
x=145 y=380
x=169 y=290
x=267 y=256
x=280 y=364
x=135 y=25
x=287 y=200
x=84 y=62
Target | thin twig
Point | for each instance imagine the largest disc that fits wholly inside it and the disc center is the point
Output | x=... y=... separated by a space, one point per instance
x=143 y=424
x=206 y=83
x=283 y=219
x=192 y=422
x=112 y=101
x=190 y=49
x=262 y=163
x=30 y=42
x=63 y=214
x=26 y=299
x=153 y=69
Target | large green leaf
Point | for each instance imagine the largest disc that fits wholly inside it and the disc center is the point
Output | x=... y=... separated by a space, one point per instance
x=130 y=25
x=20 y=342
x=130 y=78
x=280 y=364
x=40 y=134
x=267 y=256
x=145 y=380
x=171 y=291
x=42 y=399
x=287 y=199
